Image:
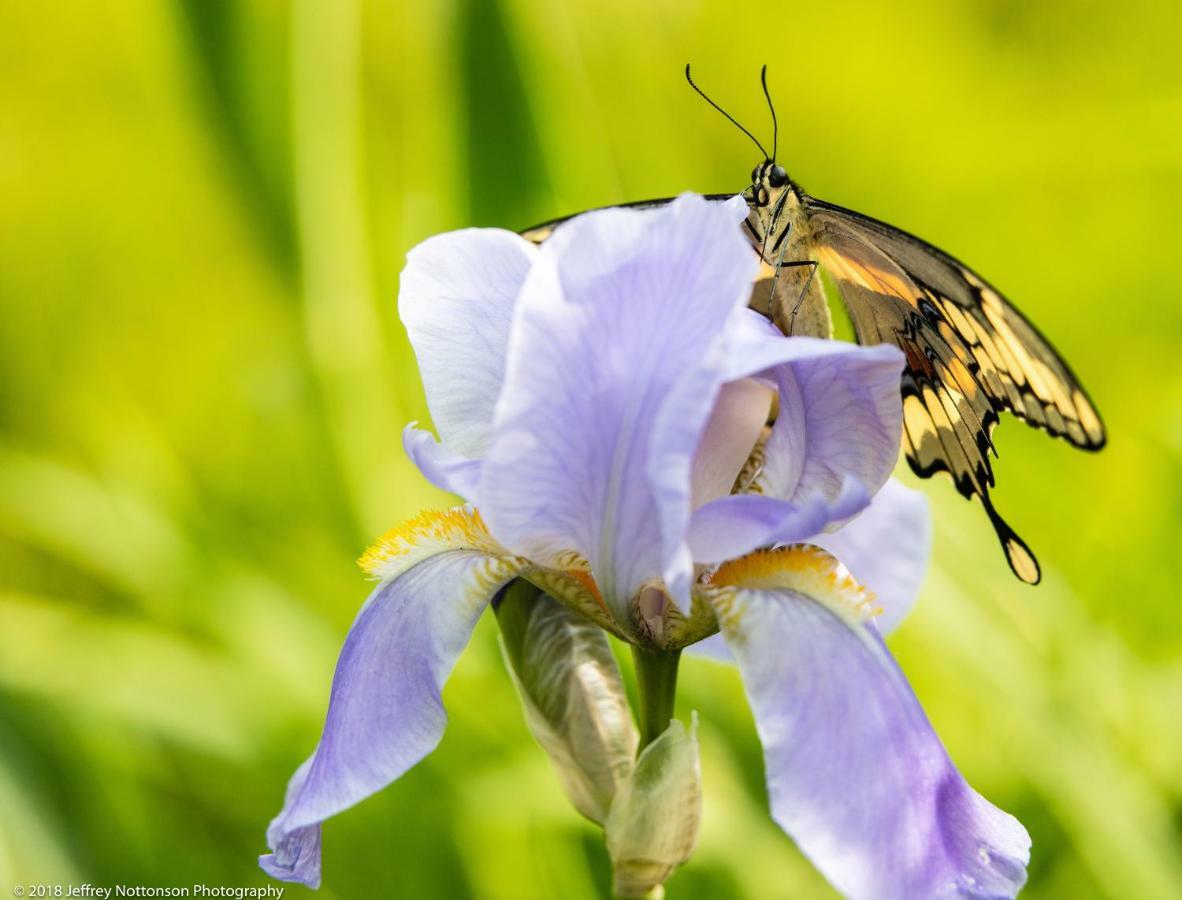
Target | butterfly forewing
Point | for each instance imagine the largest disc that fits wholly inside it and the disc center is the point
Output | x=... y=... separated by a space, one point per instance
x=1018 y=369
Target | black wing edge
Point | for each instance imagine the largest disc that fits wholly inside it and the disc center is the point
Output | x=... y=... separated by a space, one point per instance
x=634 y=204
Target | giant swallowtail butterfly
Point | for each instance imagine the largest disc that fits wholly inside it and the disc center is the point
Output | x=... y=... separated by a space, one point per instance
x=970 y=355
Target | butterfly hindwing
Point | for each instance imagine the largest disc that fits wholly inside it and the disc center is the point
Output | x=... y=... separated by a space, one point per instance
x=969 y=355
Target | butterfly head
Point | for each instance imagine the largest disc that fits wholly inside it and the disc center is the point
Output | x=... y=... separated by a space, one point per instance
x=768 y=181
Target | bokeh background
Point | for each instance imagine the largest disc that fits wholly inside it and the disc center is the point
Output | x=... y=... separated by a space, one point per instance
x=204 y=208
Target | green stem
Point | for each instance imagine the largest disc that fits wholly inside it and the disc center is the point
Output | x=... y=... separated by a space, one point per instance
x=656 y=684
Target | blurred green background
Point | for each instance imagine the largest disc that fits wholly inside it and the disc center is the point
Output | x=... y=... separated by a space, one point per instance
x=204 y=208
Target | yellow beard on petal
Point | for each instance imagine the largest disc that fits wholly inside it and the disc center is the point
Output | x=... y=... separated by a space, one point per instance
x=804 y=569
x=425 y=535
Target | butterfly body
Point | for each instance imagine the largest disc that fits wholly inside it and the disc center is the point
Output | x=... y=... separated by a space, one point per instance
x=778 y=227
x=970 y=355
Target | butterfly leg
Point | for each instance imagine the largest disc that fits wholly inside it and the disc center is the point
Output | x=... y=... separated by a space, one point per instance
x=812 y=264
x=788 y=326
x=779 y=263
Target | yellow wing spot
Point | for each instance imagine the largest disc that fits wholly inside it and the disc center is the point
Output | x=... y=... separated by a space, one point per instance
x=1053 y=384
x=1088 y=418
x=920 y=430
x=425 y=535
x=959 y=320
x=802 y=568
x=1024 y=564
x=864 y=274
x=538 y=235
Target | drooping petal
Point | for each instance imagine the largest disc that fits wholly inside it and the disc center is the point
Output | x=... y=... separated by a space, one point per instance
x=840 y=416
x=456 y=301
x=385 y=712
x=613 y=368
x=856 y=775
x=886 y=547
x=299 y=857
x=713 y=648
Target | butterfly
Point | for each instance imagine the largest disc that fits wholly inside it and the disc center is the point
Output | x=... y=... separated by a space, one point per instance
x=970 y=355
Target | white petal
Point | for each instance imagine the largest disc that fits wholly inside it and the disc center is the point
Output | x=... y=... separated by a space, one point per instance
x=456 y=301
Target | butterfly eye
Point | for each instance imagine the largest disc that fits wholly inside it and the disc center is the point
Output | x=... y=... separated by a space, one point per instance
x=777 y=177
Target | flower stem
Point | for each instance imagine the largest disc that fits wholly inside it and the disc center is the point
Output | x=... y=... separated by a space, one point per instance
x=656 y=683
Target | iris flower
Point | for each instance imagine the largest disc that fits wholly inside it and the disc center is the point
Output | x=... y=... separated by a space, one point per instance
x=602 y=404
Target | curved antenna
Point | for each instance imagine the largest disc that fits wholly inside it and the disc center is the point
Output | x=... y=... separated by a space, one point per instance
x=775 y=124
x=724 y=112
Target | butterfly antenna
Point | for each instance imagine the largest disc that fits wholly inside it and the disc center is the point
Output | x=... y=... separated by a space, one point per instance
x=771 y=106
x=724 y=112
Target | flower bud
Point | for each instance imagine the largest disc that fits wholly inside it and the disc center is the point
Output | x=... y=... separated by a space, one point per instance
x=653 y=823
x=574 y=698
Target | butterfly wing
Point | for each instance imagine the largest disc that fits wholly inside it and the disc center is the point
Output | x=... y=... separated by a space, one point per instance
x=1019 y=367
x=969 y=355
x=539 y=233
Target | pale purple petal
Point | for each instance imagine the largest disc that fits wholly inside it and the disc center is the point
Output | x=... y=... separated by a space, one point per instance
x=456 y=301
x=886 y=548
x=385 y=712
x=840 y=416
x=298 y=858
x=739 y=414
x=446 y=470
x=855 y=773
x=713 y=648
x=616 y=356
x=733 y=526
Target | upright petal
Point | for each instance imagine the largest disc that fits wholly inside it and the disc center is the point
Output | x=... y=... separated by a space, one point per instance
x=855 y=773
x=613 y=368
x=833 y=445
x=456 y=301
x=385 y=712
x=886 y=547
x=840 y=416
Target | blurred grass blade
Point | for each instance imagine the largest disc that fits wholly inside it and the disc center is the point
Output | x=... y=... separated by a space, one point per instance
x=507 y=182
x=229 y=47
